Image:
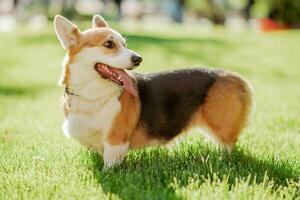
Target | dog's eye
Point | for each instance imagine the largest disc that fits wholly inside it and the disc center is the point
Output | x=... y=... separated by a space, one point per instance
x=109 y=44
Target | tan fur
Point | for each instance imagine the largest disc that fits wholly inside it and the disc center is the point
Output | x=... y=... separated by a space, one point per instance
x=140 y=139
x=226 y=109
x=126 y=121
x=65 y=78
x=66 y=105
x=90 y=39
x=98 y=38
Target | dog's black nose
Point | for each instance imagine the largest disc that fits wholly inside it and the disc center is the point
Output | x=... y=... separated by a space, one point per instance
x=136 y=60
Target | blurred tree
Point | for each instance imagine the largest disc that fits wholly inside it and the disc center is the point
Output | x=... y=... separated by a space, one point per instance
x=247 y=9
x=68 y=8
x=211 y=9
x=15 y=5
x=217 y=15
x=119 y=14
x=285 y=11
x=46 y=4
x=16 y=2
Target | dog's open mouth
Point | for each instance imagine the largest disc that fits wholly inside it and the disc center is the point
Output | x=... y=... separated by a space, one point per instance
x=119 y=76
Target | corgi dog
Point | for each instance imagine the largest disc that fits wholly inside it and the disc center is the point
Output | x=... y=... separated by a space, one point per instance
x=110 y=110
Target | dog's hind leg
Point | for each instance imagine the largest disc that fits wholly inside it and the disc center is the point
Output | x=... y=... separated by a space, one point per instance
x=226 y=109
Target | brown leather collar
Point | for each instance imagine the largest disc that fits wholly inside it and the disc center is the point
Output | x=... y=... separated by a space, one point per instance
x=68 y=92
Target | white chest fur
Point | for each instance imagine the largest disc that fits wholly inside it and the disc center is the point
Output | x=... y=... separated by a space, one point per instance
x=93 y=109
x=90 y=121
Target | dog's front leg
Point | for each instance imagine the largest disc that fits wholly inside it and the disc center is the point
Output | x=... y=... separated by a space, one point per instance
x=114 y=153
x=117 y=140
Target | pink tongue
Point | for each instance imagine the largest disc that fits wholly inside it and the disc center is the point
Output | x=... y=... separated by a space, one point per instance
x=127 y=82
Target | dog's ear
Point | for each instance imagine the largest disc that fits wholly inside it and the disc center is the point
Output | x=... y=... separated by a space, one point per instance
x=99 y=22
x=67 y=33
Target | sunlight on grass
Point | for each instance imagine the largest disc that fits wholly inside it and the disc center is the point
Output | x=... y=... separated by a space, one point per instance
x=38 y=162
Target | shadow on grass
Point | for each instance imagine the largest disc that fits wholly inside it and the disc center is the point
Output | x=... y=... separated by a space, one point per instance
x=20 y=91
x=149 y=173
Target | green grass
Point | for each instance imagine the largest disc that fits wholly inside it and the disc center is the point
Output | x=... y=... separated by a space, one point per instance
x=38 y=162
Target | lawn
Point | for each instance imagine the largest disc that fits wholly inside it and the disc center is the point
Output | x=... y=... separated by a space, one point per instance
x=38 y=162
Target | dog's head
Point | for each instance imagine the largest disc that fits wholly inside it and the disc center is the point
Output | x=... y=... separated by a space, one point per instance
x=99 y=50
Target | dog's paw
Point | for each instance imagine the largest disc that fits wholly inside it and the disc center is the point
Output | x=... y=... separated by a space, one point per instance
x=114 y=154
x=112 y=163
